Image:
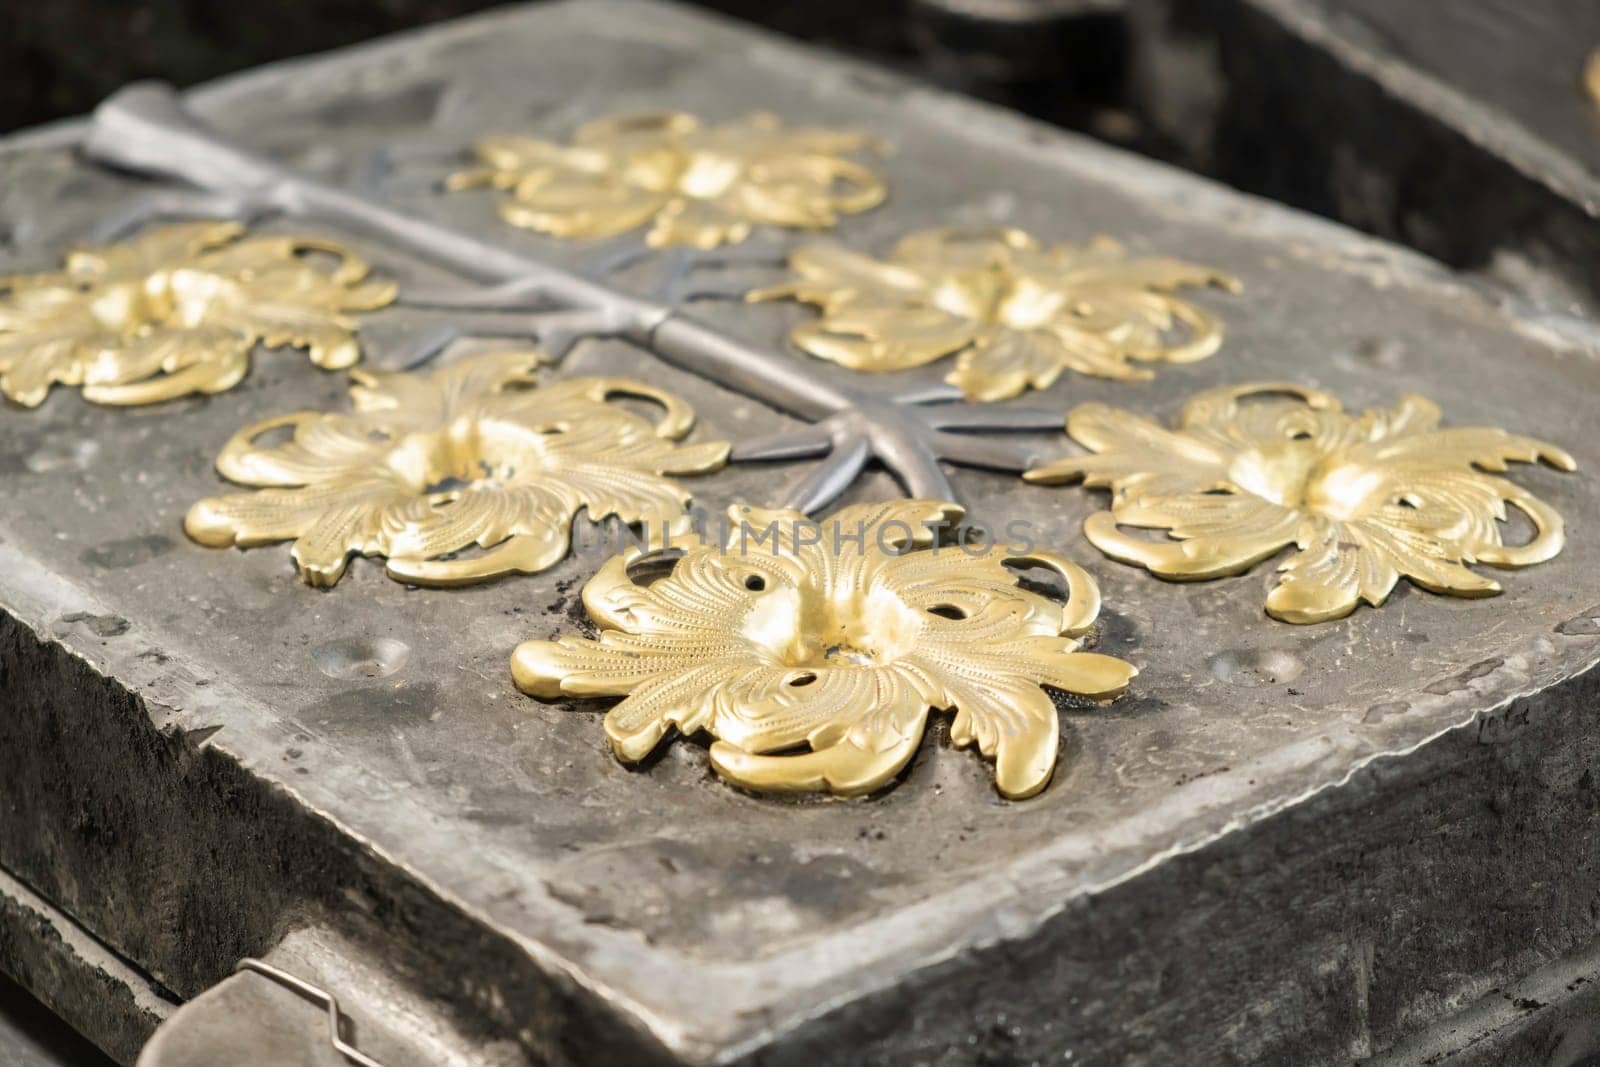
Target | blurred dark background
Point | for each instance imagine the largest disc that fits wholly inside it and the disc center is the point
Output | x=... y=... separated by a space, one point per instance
x=1059 y=59
x=60 y=57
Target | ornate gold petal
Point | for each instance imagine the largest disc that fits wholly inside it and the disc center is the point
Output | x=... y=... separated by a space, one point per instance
x=149 y=253
x=582 y=205
x=177 y=311
x=323 y=552
x=264 y=291
x=1345 y=563
x=677 y=417
x=1015 y=726
x=526 y=529
x=420 y=527
x=1389 y=552
x=1549 y=532
x=29 y=369
x=1193 y=560
x=694 y=185
x=166 y=364
x=409 y=401
x=990 y=670
x=1002 y=365
x=648 y=129
x=826 y=273
x=885 y=342
x=842 y=636
x=806 y=193
x=855 y=765
x=508 y=160
x=637 y=725
x=470 y=456
x=1216 y=417
x=524 y=553
x=1323 y=581
x=1027 y=313
x=1136 y=455
x=1070 y=347
x=319 y=449
x=48 y=336
x=701 y=224
x=259 y=518
x=1368 y=499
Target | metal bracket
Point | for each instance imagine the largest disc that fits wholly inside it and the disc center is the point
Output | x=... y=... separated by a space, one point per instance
x=263 y=1013
x=239 y=1019
x=319 y=995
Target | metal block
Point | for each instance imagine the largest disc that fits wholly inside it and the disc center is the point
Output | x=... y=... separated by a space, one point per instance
x=1292 y=843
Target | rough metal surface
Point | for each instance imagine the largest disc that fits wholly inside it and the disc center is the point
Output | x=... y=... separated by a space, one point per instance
x=1551 y=1016
x=73 y=976
x=1296 y=843
x=1461 y=129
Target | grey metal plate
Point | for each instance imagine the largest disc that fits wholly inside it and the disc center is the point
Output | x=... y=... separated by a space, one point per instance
x=703 y=921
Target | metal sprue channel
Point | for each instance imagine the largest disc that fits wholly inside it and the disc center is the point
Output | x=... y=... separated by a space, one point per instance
x=146 y=130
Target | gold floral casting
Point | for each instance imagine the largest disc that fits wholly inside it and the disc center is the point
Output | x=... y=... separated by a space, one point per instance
x=693 y=184
x=474 y=454
x=1366 y=499
x=178 y=311
x=840 y=636
x=1018 y=313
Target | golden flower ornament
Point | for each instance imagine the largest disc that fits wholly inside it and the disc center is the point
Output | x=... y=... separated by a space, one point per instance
x=1018 y=313
x=1366 y=499
x=178 y=311
x=428 y=466
x=693 y=184
x=836 y=639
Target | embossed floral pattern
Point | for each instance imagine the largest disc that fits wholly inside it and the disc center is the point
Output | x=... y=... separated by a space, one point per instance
x=1018 y=313
x=840 y=636
x=178 y=311
x=1366 y=499
x=692 y=184
x=473 y=455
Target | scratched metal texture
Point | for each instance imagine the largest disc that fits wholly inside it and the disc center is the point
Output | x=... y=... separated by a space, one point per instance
x=1302 y=842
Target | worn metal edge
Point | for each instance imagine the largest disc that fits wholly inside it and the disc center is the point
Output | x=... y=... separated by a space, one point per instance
x=1553 y=1010
x=1503 y=136
x=97 y=992
x=1550 y=207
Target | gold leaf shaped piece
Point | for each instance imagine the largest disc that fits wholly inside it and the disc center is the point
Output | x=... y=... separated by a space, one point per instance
x=814 y=651
x=1364 y=499
x=693 y=184
x=1019 y=314
x=177 y=311
x=473 y=455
